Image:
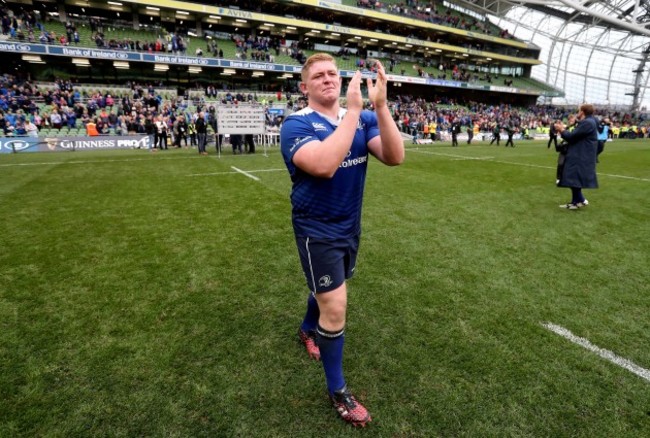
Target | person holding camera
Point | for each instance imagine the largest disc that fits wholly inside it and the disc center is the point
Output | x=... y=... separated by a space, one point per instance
x=579 y=166
x=603 y=133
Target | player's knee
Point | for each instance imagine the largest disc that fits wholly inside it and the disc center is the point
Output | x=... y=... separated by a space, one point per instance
x=333 y=317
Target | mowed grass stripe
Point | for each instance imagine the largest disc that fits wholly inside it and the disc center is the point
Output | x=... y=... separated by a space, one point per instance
x=136 y=300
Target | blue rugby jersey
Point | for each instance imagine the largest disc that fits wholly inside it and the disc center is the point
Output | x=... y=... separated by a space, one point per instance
x=322 y=207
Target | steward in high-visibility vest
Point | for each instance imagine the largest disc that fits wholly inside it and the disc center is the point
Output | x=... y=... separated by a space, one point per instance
x=91 y=129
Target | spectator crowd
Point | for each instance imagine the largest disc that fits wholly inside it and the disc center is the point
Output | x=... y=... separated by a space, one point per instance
x=25 y=110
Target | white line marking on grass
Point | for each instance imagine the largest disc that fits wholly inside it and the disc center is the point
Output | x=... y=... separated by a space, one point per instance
x=605 y=354
x=236 y=172
x=461 y=158
x=245 y=173
x=92 y=161
x=623 y=176
x=472 y=158
x=526 y=164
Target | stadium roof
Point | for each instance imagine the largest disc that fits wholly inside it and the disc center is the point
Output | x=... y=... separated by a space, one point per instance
x=596 y=51
x=629 y=15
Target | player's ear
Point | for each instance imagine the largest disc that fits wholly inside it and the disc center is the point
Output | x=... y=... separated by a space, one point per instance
x=303 y=88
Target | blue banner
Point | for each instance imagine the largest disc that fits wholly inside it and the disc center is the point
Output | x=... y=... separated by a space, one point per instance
x=85 y=52
x=252 y=65
x=175 y=59
x=444 y=83
x=168 y=58
x=23 y=48
x=56 y=144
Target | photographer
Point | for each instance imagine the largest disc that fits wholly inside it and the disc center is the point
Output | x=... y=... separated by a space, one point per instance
x=579 y=162
x=603 y=133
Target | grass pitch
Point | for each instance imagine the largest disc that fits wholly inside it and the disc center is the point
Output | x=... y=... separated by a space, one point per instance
x=159 y=294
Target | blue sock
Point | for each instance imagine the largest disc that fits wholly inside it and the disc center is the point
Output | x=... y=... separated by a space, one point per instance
x=331 y=354
x=310 y=322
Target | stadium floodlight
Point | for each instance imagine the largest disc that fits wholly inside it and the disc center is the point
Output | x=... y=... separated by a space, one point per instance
x=269 y=24
x=241 y=20
x=291 y=28
x=32 y=58
x=194 y=69
x=182 y=13
x=81 y=61
x=214 y=17
x=121 y=65
x=115 y=3
x=258 y=73
x=161 y=67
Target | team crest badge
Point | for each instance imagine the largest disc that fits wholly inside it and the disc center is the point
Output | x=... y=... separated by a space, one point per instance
x=325 y=281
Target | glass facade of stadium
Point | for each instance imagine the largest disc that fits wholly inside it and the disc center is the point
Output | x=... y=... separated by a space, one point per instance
x=591 y=63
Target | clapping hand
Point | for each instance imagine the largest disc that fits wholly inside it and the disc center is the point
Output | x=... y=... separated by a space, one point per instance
x=377 y=92
x=353 y=95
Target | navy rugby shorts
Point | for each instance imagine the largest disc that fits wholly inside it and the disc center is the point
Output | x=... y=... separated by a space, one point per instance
x=327 y=263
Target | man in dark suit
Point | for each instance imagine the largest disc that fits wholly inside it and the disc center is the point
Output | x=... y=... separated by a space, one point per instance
x=249 y=142
x=552 y=135
x=510 y=130
x=455 y=130
x=579 y=170
x=201 y=133
x=236 y=142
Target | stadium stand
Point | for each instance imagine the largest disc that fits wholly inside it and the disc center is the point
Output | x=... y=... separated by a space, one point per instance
x=458 y=66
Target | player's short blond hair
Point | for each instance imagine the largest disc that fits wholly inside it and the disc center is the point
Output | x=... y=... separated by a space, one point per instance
x=316 y=57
